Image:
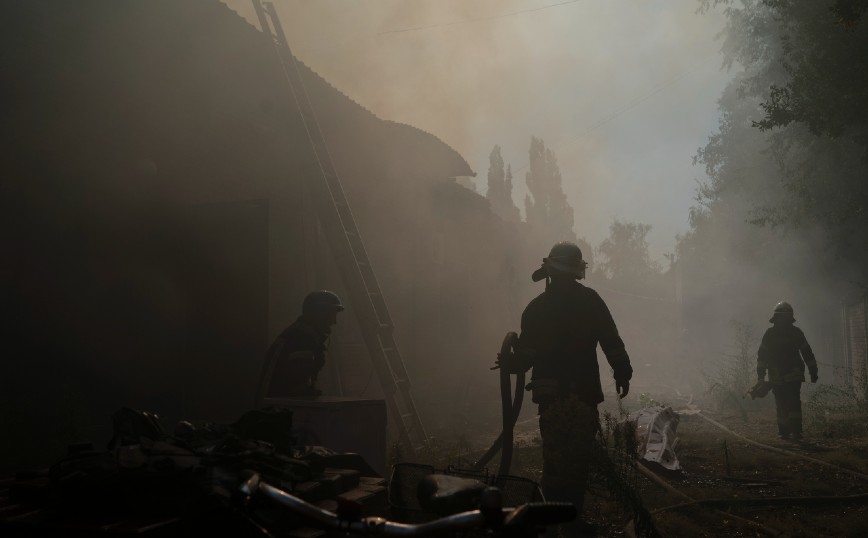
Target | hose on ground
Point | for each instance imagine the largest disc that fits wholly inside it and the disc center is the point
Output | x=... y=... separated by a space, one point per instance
x=690 y=500
x=784 y=451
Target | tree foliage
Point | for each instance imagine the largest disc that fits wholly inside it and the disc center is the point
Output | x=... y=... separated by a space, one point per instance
x=793 y=136
x=546 y=206
x=624 y=257
x=499 y=192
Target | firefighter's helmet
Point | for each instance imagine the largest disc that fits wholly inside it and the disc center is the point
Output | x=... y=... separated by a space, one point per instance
x=565 y=258
x=783 y=312
x=317 y=302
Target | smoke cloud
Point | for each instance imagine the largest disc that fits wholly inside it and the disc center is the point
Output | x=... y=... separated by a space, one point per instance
x=623 y=92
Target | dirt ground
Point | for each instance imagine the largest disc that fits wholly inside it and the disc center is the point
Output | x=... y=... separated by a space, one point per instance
x=752 y=473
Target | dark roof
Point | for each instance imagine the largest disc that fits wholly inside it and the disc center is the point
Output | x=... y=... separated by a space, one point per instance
x=183 y=84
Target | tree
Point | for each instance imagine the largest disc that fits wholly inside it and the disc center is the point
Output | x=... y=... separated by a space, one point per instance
x=509 y=211
x=805 y=75
x=624 y=256
x=547 y=209
x=499 y=192
x=786 y=172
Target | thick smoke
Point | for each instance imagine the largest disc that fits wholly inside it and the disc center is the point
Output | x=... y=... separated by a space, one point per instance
x=157 y=203
x=623 y=92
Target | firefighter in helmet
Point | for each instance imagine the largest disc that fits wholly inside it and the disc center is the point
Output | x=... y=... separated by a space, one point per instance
x=783 y=354
x=298 y=354
x=560 y=331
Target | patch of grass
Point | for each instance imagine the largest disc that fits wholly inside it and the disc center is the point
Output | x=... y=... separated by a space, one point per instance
x=839 y=410
x=646 y=400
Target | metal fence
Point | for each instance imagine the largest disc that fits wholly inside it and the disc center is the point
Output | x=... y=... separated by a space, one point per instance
x=855 y=322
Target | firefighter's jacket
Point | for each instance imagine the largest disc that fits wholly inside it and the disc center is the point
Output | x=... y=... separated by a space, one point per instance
x=561 y=329
x=784 y=352
x=296 y=356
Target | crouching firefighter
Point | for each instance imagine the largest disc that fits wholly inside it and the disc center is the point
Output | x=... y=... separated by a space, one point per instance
x=297 y=355
x=560 y=330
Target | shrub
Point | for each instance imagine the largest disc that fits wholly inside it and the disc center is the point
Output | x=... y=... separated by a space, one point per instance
x=839 y=410
x=734 y=374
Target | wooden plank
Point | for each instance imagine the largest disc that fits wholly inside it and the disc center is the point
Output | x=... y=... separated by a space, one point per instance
x=348 y=478
x=372 y=481
x=358 y=495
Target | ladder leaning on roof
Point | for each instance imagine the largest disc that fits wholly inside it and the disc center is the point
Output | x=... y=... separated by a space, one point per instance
x=349 y=250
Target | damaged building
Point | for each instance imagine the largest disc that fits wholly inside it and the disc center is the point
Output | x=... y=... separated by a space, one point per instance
x=158 y=233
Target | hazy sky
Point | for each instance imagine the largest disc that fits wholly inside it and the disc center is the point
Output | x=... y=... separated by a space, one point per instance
x=624 y=91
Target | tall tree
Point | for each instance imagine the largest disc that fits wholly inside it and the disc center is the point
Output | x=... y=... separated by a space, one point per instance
x=561 y=217
x=805 y=73
x=499 y=192
x=787 y=172
x=536 y=200
x=496 y=176
x=546 y=206
x=509 y=211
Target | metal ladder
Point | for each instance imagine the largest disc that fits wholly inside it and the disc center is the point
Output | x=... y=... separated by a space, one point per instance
x=355 y=267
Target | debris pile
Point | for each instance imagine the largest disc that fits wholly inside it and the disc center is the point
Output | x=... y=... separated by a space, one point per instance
x=150 y=481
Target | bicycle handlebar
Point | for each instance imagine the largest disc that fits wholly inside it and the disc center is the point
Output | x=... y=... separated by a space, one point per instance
x=526 y=515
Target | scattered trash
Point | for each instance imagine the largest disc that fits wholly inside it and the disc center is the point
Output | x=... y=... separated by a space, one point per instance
x=655 y=433
x=148 y=481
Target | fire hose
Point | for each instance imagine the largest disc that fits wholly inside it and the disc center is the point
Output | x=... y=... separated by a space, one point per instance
x=510 y=409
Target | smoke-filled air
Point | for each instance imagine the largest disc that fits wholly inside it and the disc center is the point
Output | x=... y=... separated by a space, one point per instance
x=434 y=267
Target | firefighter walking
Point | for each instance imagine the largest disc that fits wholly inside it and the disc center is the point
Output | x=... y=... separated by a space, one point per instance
x=783 y=354
x=560 y=331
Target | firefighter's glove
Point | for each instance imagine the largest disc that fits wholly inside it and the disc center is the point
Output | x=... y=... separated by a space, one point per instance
x=814 y=377
x=759 y=390
x=514 y=363
x=760 y=374
x=623 y=373
x=622 y=387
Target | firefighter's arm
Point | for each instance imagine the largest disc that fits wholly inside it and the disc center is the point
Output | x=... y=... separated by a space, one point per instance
x=762 y=363
x=808 y=357
x=622 y=371
x=614 y=349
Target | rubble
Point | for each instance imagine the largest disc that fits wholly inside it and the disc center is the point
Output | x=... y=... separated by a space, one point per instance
x=149 y=481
